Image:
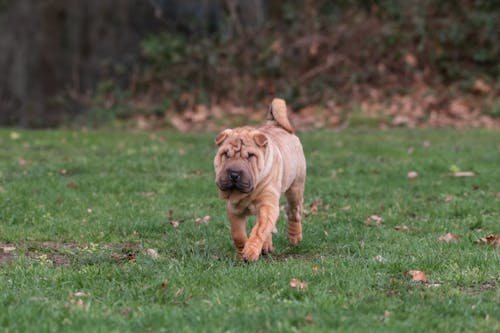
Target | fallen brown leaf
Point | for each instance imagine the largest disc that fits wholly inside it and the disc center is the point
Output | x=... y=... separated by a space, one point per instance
x=410 y=59
x=493 y=240
x=164 y=284
x=463 y=174
x=174 y=222
x=481 y=87
x=152 y=253
x=202 y=220
x=374 y=220
x=449 y=198
x=80 y=303
x=296 y=283
x=72 y=184
x=308 y=319
x=314 y=207
x=449 y=237
x=417 y=276
x=7 y=249
x=412 y=175
x=23 y=162
x=179 y=292
x=402 y=228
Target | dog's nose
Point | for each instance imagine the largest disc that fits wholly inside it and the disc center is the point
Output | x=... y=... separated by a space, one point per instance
x=234 y=175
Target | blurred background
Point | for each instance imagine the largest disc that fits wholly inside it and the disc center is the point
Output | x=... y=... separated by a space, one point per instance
x=199 y=65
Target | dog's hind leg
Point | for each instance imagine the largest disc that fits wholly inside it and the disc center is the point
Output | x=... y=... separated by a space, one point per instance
x=295 y=198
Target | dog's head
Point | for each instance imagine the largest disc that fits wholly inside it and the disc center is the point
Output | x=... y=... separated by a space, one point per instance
x=240 y=159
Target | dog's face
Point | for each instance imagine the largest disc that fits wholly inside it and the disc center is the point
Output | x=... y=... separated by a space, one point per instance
x=240 y=159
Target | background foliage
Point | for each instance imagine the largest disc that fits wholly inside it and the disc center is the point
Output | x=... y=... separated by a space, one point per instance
x=400 y=62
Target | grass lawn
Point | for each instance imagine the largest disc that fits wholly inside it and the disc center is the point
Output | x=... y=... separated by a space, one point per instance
x=83 y=215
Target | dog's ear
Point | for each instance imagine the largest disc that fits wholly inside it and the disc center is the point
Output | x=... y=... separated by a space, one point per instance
x=260 y=139
x=222 y=136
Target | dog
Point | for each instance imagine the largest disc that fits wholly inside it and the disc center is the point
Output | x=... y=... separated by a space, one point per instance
x=253 y=168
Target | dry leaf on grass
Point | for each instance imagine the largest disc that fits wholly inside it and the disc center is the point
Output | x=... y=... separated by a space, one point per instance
x=314 y=207
x=463 y=174
x=493 y=240
x=449 y=237
x=152 y=253
x=374 y=220
x=412 y=175
x=7 y=249
x=308 y=319
x=202 y=220
x=296 y=283
x=173 y=221
x=403 y=227
x=417 y=276
x=317 y=269
x=72 y=184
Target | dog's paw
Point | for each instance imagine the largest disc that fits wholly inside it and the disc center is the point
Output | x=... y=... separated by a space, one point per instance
x=268 y=246
x=250 y=252
x=294 y=239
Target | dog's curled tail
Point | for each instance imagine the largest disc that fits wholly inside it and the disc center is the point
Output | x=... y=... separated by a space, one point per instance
x=277 y=115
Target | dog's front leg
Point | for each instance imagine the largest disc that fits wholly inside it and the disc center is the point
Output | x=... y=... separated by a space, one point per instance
x=266 y=220
x=238 y=229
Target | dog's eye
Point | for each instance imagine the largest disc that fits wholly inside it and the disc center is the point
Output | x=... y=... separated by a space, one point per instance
x=251 y=155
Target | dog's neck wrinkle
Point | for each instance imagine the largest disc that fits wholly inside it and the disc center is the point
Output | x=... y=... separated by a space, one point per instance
x=272 y=155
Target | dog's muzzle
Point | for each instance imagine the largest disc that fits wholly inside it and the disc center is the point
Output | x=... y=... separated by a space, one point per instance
x=235 y=179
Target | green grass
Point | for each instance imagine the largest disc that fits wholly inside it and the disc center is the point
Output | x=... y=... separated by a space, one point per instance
x=83 y=208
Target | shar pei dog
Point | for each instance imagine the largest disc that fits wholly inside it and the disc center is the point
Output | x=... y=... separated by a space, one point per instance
x=253 y=168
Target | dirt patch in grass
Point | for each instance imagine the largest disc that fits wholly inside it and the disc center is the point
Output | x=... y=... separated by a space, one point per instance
x=5 y=257
x=481 y=288
x=66 y=254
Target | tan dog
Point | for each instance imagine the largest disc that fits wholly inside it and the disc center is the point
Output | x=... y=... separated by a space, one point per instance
x=253 y=168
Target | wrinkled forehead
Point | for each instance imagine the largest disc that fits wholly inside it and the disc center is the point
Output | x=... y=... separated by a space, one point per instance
x=240 y=141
